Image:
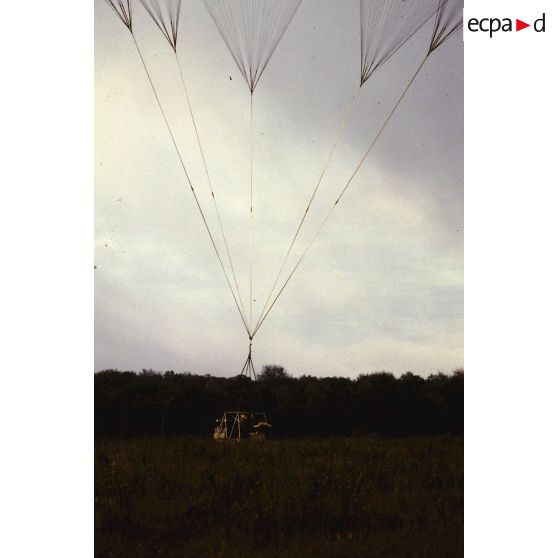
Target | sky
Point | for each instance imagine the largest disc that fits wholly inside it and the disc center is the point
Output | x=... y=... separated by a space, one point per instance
x=382 y=287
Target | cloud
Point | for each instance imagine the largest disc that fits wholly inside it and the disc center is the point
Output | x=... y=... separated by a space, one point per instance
x=382 y=288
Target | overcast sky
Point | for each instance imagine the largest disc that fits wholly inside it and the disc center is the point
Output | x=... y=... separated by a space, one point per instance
x=381 y=289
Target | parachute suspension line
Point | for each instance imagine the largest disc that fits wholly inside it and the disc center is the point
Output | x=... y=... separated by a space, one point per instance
x=251 y=204
x=189 y=182
x=326 y=219
x=408 y=25
x=251 y=30
x=124 y=12
x=248 y=368
x=386 y=25
x=449 y=19
x=344 y=122
x=211 y=191
x=384 y=126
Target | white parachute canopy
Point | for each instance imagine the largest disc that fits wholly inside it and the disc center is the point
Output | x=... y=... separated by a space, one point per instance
x=123 y=9
x=449 y=19
x=165 y=13
x=252 y=30
x=386 y=25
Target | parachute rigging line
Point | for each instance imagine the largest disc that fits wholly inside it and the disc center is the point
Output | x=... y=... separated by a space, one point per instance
x=126 y=17
x=326 y=219
x=410 y=16
x=210 y=185
x=123 y=9
x=312 y=196
x=252 y=29
x=386 y=25
x=448 y=21
x=167 y=20
x=248 y=367
x=192 y=189
x=251 y=233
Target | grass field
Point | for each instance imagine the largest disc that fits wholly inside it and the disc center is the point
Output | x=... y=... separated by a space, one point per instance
x=335 y=497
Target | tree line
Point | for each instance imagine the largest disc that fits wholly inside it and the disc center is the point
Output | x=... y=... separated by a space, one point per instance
x=168 y=404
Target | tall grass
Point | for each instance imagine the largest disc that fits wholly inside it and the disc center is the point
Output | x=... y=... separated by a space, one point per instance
x=336 y=497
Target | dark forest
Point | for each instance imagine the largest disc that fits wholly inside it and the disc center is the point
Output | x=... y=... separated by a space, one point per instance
x=129 y=404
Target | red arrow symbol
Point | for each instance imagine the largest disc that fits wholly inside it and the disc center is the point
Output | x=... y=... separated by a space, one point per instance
x=519 y=25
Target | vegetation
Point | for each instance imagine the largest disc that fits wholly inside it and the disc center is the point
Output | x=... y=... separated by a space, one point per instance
x=333 y=498
x=371 y=467
x=151 y=404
